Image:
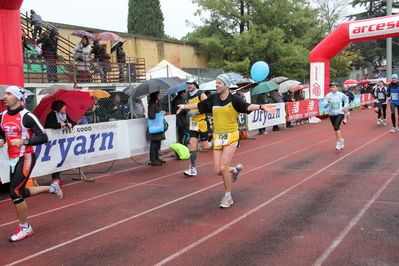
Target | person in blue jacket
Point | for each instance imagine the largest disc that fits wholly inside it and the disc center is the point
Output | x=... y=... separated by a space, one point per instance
x=333 y=101
x=393 y=93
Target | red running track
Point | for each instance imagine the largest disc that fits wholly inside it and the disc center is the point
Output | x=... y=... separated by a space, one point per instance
x=298 y=202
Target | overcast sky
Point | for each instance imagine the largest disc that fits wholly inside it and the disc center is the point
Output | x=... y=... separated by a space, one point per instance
x=112 y=15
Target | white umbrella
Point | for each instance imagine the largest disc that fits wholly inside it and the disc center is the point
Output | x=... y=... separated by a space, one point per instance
x=208 y=86
x=289 y=84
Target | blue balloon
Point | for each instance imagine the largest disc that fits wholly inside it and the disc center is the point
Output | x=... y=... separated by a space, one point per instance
x=259 y=71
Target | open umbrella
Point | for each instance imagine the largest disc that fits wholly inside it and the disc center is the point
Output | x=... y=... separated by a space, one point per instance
x=350 y=82
x=77 y=102
x=81 y=33
x=107 y=36
x=288 y=84
x=278 y=80
x=153 y=85
x=364 y=82
x=177 y=88
x=264 y=87
x=234 y=76
x=99 y=94
x=55 y=87
x=116 y=45
x=124 y=97
x=246 y=83
x=301 y=87
x=208 y=86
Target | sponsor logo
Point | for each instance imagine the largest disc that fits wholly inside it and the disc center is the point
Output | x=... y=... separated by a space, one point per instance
x=316 y=89
x=373 y=27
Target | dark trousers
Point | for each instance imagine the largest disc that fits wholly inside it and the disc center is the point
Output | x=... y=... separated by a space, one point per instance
x=183 y=135
x=37 y=31
x=155 y=146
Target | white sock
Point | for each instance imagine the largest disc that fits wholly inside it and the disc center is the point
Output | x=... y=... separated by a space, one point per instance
x=25 y=225
x=227 y=193
x=52 y=189
x=235 y=170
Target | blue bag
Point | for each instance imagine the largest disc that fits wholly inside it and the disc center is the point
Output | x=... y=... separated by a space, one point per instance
x=156 y=125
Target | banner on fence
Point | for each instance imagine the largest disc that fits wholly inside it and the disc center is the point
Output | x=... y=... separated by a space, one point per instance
x=302 y=109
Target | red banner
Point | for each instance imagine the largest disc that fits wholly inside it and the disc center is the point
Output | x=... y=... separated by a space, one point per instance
x=302 y=109
x=366 y=98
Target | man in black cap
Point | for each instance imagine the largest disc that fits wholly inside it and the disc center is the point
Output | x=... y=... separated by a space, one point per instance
x=49 y=48
x=37 y=23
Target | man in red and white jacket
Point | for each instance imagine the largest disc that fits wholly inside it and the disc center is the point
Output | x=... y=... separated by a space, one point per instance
x=17 y=127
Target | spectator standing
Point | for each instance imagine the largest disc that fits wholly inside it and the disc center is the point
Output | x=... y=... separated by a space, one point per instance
x=275 y=97
x=22 y=157
x=104 y=65
x=333 y=101
x=226 y=135
x=393 y=93
x=288 y=96
x=121 y=60
x=49 y=48
x=58 y=119
x=259 y=99
x=81 y=55
x=380 y=102
x=351 y=98
x=182 y=121
x=298 y=96
x=155 y=138
x=138 y=110
x=37 y=23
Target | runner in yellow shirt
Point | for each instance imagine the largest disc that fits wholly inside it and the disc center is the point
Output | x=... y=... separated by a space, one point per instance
x=225 y=108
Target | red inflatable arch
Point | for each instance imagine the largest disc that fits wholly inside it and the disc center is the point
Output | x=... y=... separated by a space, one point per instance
x=354 y=31
x=11 y=59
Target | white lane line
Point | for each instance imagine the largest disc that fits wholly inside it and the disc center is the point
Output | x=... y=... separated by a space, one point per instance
x=151 y=180
x=354 y=221
x=184 y=250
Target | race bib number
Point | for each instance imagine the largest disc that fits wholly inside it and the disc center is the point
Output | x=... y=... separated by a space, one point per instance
x=394 y=96
x=222 y=139
x=335 y=105
x=194 y=125
x=381 y=96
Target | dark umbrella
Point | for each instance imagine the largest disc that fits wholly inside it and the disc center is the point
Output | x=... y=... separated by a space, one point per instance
x=81 y=33
x=246 y=84
x=117 y=45
x=177 y=88
x=124 y=96
x=153 y=85
x=77 y=102
x=264 y=87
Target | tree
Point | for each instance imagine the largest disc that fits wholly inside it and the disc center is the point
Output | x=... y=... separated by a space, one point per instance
x=145 y=18
x=239 y=33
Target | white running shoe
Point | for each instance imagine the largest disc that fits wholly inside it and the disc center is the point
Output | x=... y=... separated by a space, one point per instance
x=57 y=185
x=378 y=121
x=384 y=122
x=234 y=176
x=21 y=233
x=226 y=202
x=338 y=146
x=342 y=143
x=393 y=130
x=192 y=171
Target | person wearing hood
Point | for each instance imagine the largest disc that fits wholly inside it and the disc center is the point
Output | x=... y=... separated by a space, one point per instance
x=50 y=48
x=37 y=23
x=226 y=135
x=81 y=55
x=338 y=103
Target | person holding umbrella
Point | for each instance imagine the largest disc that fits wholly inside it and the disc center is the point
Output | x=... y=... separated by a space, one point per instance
x=155 y=139
x=81 y=55
x=58 y=119
x=182 y=121
x=226 y=135
x=17 y=128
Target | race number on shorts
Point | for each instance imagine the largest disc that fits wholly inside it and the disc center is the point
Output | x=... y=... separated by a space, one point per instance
x=222 y=139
